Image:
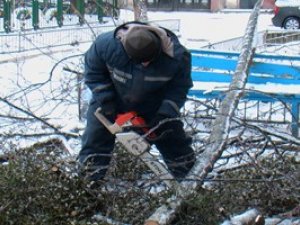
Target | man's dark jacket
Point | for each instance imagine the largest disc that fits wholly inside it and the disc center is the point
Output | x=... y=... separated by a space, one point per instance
x=113 y=77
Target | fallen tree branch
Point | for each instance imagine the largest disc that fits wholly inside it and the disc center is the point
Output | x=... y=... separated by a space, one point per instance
x=280 y=221
x=32 y=115
x=107 y=220
x=253 y=217
x=250 y=217
x=54 y=141
x=220 y=129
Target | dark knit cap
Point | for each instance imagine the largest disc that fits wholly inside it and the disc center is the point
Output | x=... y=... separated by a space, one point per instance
x=142 y=45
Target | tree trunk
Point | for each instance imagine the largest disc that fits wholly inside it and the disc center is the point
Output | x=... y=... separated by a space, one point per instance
x=140 y=10
x=219 y=134
x=250 y=217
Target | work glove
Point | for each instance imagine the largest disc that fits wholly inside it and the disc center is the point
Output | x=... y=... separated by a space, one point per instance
x=166 y=128
x=109 y=110
x=156 y=119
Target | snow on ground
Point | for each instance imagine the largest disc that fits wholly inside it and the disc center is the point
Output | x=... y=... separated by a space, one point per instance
x=196 y=30
x=212 y=27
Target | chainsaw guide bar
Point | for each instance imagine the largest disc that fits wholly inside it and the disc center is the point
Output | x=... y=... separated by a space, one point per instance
x=137 y=145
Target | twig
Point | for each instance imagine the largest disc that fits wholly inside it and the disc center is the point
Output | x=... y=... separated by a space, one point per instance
x=106 y=219
x=36 y=117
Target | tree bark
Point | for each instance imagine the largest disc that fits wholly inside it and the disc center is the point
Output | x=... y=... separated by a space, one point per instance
x=219 y=134
x=250 y=217
x=140 y=10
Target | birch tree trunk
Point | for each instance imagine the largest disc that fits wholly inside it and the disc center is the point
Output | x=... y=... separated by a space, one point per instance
x=220 y=129
x=251 y=216
x=140 y=10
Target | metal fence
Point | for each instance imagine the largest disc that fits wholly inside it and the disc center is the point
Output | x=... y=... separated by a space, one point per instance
x=25 y=40
x=179 y=4
x=36 y=14
x=264 y=41
x=30 y=40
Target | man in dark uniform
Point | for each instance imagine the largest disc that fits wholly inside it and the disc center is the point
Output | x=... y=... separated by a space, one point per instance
x=142 y=68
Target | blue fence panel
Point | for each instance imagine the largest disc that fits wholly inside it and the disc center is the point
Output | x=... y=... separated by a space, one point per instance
x=254 y=79
x=219 y=67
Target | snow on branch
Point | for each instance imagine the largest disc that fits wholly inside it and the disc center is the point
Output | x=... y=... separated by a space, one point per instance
x=32 y=115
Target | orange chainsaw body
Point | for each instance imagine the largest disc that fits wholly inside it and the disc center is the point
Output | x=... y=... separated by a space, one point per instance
x=131 y=119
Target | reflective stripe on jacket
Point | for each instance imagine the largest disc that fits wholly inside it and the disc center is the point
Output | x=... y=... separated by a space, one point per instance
x=161 y=87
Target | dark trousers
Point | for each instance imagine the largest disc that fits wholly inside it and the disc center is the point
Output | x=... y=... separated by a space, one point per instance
x=98 y=144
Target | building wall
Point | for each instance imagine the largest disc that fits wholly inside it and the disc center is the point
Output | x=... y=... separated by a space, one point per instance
x=269 y=4
x=217 y=5
x=232 y=4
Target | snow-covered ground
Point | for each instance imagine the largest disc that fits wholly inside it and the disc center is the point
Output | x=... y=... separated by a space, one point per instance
x=207 y=27
x=196 y=29
x=19 y=71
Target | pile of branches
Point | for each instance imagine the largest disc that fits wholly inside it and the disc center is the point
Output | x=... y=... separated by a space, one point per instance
x=40 y=185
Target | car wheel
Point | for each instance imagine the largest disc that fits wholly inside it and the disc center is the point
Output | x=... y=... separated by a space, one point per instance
x=291 y=23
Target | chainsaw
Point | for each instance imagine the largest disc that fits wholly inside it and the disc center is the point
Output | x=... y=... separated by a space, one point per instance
x=136 y=144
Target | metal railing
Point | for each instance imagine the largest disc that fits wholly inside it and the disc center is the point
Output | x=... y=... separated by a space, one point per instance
x=31 y=40
x=264 y=40
x=25 y=40
x=37 y=14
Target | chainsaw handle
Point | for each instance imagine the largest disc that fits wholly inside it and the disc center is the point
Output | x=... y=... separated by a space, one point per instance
x=112 y=127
